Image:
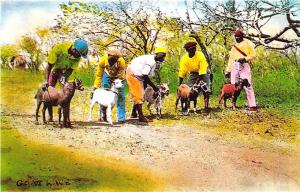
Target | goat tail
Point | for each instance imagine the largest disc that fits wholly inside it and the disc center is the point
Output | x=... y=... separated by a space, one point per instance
x=35 y=96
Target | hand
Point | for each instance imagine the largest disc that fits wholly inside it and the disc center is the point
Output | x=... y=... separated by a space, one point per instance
x=45 y=86
x=242 y=60
x=63 y=80
x=155 y=89
x=227 y=75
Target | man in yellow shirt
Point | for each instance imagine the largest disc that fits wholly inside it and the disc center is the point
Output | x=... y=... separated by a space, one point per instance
x=195 y=64
x=112 y=66
x=241 y=56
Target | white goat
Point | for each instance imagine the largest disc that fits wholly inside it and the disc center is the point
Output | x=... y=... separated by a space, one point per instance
x=106 y=98
x=157 y=101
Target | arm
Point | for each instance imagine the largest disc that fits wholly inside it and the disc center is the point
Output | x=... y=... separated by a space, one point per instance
x=180 y=80
x=182 y=70
x=149 y=82
x=230 y=60
x=51 y=59
x=122 y=69
x=203 y=65
x=99 y=73
x=48 y=71
x=68 y=73
x=250 y=52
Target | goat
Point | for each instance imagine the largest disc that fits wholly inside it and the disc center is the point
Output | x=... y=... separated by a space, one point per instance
x=151 y=98
x=194 y=93
x=51 y=96
x=106 y=98
x=232 y=91
x=183 y=93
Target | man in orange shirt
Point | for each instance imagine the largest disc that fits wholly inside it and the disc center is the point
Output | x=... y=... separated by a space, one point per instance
x=241 y=56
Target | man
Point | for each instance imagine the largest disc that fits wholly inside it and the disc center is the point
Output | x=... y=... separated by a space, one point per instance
x=63 y=59
x=138 y=74
x=195 y=64
x=241 y=56
x=110 y=67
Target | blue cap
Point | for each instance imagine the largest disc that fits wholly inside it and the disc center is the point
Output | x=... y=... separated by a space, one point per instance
x=82 y=47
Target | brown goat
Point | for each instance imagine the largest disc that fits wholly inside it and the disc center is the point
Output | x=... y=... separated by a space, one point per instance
x=53 y=97
x=232 y=91
x=183 y=93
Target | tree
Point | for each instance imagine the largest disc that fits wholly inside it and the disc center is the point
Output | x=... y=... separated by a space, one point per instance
x=30 y=45
x=255 y=17
x=133 y=26
x=7 y=53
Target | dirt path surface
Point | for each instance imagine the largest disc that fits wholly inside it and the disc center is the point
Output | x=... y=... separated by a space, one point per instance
x=190 y=159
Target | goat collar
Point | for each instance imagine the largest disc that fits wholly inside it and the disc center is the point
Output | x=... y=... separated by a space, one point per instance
x=107 y=89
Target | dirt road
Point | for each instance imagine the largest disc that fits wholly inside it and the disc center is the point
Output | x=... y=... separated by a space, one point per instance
x=189 y=159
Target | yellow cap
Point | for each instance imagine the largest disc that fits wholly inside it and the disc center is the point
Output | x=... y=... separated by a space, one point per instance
x=160 y=50
x=114 y=52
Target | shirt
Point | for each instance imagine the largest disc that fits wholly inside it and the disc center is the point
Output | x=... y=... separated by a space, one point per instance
x=247 y=47
x=117 y=70
x=197 y=63
x=60 y=58
x=143 y=65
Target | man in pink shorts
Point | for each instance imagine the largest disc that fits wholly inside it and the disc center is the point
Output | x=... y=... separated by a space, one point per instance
x=241 y=56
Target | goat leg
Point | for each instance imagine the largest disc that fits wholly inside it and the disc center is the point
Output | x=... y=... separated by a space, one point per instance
x=160 y=115
x=44 y=113
x=221 y=98
x=50 y=112
x=38 y=105
x=234 y=99
x=157 y=113
x=108 y=115
x=59 y=115
x=91 y=110
x=68 y=116
x=195 y=105
x=64 y=116
x=206 y=100
x=177 y=100
x=149 y=108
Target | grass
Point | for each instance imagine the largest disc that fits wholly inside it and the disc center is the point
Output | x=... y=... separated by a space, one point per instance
x=26 y=161
x=277 y=122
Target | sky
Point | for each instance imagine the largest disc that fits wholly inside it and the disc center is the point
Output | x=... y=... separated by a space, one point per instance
x=19 y=17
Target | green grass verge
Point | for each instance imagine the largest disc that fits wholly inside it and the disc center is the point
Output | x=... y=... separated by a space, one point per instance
x=26 y=165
